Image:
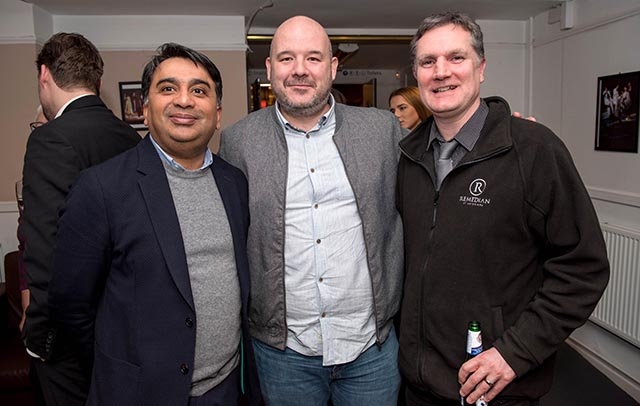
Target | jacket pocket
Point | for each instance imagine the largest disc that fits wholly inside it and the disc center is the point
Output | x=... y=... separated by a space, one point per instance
x=114 y=381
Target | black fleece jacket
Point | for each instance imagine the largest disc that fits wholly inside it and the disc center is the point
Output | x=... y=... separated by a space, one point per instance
x=511 y=240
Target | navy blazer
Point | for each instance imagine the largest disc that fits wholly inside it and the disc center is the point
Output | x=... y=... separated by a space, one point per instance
x=120 y=288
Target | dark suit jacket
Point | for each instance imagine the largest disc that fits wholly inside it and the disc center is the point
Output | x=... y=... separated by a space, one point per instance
x=121 y=281
x=86 y=134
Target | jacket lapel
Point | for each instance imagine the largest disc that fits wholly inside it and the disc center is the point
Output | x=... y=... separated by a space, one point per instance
x=159 y=201
x=227 y=187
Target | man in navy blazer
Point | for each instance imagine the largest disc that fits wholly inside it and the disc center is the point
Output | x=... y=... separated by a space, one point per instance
x=150 y=276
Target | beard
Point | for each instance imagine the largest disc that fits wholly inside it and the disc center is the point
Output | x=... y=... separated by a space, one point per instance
x=302 y=109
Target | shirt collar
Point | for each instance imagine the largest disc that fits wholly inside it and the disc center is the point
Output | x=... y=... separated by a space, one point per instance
x=208 y=158
x=321 y=122
x=470 y=131
x=64 y=106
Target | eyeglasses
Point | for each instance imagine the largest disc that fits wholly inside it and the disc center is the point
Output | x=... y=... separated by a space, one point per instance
x=35 y=125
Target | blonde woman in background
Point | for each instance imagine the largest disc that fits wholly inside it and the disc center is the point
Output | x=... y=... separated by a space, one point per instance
x=406 y=105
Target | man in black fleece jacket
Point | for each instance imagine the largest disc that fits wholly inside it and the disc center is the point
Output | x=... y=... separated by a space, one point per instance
x=508 y=237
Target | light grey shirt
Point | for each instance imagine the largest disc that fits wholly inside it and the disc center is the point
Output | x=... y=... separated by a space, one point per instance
x=328 y=287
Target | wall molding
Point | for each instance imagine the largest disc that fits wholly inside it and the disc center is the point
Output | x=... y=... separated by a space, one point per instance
x=17 y=40
x=8 y=207
x=614 y=196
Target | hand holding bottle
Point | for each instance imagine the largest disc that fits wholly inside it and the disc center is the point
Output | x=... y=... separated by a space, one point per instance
x=486 y=374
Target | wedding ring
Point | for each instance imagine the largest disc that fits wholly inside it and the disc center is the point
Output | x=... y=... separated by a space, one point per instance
x=488 y=382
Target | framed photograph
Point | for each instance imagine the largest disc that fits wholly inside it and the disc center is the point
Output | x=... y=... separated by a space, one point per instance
x=131 y=104
x=617 y=113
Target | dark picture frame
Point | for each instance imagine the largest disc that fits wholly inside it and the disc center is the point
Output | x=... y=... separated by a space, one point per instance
x=617 y=113
x=131 y=104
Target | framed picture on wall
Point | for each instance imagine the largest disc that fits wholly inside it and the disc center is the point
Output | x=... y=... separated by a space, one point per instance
x=617 y=113
x=131 y=104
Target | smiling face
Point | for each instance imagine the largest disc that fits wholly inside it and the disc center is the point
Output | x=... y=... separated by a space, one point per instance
x=301 y=68
x=449 y=73
x=405 y=112
x=182 y=111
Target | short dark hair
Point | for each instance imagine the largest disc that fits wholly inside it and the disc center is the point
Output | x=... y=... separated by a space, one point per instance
x=73 y=60
x=458 y=19
x=173 y=50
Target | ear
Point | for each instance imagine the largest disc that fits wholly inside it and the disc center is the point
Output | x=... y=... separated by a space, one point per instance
x=334 y=67
x=219 y=116
x=267 y=63
x=44 y=75
x=483 y=64
x=145 y=110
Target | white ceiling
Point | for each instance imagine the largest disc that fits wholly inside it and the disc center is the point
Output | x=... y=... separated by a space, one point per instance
x=333 y=14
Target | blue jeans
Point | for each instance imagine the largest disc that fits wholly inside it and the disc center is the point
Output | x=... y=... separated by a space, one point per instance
x=289 y=378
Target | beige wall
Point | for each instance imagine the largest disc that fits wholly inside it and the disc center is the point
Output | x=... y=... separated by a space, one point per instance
x=120 y=66
x=18 y=109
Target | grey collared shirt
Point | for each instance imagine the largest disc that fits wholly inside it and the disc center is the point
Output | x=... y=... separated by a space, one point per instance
x=466 y=137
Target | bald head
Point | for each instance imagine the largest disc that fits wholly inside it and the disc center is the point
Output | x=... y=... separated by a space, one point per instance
x=301 y=69
x=300 y=28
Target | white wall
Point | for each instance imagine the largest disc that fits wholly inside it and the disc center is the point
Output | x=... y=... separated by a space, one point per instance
x=565 y=70
x=17 y=22
x=506 y=51
x=220 y=33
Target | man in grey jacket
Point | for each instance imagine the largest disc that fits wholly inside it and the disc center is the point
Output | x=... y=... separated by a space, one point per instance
x=325 y=241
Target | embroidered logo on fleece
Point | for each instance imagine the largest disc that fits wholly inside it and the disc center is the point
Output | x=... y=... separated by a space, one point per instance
x=476 y=189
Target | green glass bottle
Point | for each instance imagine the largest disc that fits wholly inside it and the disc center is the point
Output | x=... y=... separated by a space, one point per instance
x=474 y=347
x=474 y=339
